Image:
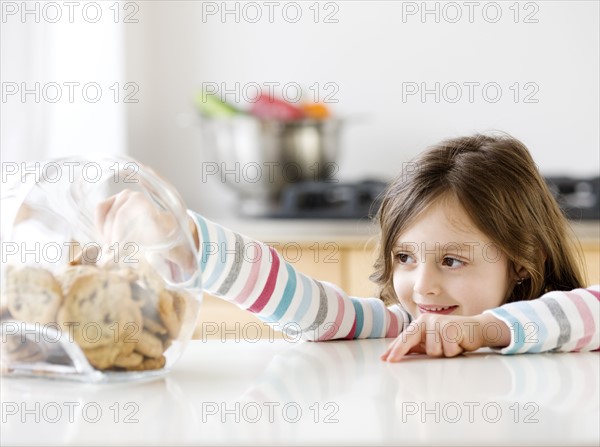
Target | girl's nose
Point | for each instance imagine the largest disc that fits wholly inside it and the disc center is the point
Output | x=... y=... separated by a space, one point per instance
x=427 y=280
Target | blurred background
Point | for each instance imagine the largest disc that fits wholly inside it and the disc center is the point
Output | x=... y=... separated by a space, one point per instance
x=399 y=76
x=285 y=120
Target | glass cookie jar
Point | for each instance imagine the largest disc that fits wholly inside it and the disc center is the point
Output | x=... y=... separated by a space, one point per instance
x=100 y=276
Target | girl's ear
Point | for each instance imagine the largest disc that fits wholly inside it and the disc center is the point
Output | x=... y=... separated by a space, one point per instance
x=520 y=273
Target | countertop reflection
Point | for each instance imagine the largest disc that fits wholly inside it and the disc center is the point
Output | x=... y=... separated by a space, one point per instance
x=279 y=392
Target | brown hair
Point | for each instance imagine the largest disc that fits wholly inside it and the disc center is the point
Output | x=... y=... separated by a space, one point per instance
x=497 y=182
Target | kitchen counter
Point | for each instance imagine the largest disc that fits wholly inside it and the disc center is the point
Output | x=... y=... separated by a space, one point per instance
x=279 y=392
x=345 y=231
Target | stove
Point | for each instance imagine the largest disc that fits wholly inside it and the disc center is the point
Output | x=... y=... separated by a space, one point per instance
x=578 y=198
x=330 y=200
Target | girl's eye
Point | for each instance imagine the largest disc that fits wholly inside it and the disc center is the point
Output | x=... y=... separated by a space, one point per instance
x=452 y=262
x=404 y=258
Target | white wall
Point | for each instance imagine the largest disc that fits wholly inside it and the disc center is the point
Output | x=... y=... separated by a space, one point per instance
x=369 y=53
x=52 y=56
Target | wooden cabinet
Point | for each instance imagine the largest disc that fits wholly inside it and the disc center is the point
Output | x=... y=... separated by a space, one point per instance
x=358 y=266
x=348 y=264
x=591 y=254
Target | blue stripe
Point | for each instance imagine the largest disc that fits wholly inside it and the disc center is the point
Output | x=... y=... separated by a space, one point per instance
x=288 y=294
x=541 y=333
x=306 y=298
x=204 y=241
x=378 y=319
x=519 y=333
x=221 y=260
x=360 y=316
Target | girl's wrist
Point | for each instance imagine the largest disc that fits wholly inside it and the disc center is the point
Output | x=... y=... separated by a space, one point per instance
x=194 y=231
x=495 y=333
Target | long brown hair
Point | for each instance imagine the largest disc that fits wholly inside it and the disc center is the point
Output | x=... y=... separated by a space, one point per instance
x=497 y=182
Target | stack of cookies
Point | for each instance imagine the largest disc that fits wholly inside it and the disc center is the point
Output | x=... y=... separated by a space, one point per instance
x=123 y=319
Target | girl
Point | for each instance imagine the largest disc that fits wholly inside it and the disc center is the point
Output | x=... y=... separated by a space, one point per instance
x=470 y=238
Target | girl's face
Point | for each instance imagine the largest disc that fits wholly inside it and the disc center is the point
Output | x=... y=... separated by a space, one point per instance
x=443 y=264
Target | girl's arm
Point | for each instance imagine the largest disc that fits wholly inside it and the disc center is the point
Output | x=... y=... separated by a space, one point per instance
x=255 y=277
x=557 y=321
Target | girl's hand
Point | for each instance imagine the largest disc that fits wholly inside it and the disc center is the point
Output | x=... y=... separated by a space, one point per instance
x=130 y=217
x=448 y=336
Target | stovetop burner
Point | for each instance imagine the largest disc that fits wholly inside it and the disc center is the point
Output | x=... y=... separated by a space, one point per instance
x=329 y=200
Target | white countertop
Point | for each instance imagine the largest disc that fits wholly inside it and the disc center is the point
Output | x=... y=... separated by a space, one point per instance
x=332 y=393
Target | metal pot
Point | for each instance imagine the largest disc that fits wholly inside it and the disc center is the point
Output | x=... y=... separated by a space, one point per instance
x=259 y=158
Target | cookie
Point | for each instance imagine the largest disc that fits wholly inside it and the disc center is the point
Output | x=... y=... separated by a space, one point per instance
x=149 y=345
x=89 y=254
x=172 y=309
x=146 y=282
x=71 y=273
x=32 y=294
x=4 y=312
x=146 y=286
x=154 y=326
x=129 y=361
x=99 y=306
x=130 y=333
x=103 y=357
x=122 y=318
x=75 y=254
x=150 y=364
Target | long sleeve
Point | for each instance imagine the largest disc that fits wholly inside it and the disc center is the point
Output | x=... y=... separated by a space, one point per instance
x=557 y=321
x=255 y=277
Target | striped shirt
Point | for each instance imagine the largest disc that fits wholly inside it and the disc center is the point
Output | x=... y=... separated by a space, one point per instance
x=557 y=321
x=256 y=277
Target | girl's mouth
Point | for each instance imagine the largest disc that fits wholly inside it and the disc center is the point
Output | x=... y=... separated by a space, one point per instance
x=443 y=310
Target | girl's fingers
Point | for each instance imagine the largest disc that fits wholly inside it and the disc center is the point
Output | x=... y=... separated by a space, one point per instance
x=451 y=339
x=451 y=347
x=394 y=345
x=102 y=211
x=433 y=338
x=405 y=342
x=418 y=349
x=385 y=355
x=112 y=207
x=115 y=215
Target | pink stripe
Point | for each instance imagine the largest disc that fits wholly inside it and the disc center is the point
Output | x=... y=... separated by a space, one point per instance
x=393 y=329
x=586 y=317
x=338 y=319
x=351 y=334
x=265 y=295
x=252 y=278
x=595 y=293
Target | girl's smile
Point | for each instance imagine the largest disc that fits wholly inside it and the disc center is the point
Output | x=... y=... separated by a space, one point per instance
x=434 y=309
